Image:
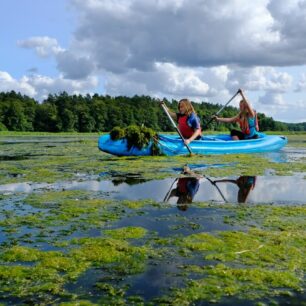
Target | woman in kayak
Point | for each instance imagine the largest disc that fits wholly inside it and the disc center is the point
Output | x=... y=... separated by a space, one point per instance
x=188 y=121
x=246 y=118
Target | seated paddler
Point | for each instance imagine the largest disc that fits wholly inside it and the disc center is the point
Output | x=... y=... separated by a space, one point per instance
x=188 y=121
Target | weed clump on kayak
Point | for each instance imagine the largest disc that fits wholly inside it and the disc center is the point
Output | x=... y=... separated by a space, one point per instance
x=135 y=135
x=117 y=133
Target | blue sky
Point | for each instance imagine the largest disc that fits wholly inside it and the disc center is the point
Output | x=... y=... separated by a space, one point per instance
x=202 y=49
x=23 y=19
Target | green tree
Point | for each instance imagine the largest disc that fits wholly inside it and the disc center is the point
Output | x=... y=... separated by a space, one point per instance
x=85 y=122
x=46 y=119
x=14 y=118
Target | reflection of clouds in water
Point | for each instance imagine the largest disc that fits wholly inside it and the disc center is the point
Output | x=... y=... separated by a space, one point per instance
x=281 y=189
x=21 y=187
x=154 y=190
x=148 y=190
x=287 y=154
x=90 y=186
x=268 y=189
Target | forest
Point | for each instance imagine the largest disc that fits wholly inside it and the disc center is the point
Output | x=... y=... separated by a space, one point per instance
x=97 y=113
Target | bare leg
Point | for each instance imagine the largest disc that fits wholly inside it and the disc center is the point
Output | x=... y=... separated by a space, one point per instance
x=235 y=138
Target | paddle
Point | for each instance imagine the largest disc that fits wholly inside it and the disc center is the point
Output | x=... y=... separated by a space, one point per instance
x=174 y=125
x=222 y=108
x=167 y=196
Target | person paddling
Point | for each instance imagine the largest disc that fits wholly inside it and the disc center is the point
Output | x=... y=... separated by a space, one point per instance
x=188 y=121
x=246 y=118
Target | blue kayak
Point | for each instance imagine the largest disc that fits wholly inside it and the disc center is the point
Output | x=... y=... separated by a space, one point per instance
x=210 y=144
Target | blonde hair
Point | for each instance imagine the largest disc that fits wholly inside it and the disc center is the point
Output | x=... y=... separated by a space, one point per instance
x=188 y=106
x=243 y=114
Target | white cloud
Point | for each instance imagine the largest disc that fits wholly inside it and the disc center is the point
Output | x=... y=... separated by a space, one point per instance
x=272 y=100
x=259 y=78
x=38 y=86
x=181 y=81
x=120 y=35
x=44 y=46
x=74 y=66
x=301 y=85
x=45 y=85
x=169 y=80
x=7 y=83
x=282 y=108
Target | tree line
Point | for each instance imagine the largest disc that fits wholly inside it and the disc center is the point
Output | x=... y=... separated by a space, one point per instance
x=98 y=113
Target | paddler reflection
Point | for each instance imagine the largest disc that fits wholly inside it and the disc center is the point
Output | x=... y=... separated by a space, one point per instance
x=245 y=185
x=186 y=188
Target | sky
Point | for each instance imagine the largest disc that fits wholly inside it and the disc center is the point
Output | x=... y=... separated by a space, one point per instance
x=204 y=50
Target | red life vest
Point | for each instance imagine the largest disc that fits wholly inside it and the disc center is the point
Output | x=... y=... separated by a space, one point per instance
x=245 y=126
x=184 y=128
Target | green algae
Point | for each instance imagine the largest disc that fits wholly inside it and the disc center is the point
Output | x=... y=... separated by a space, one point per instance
x=262 y=257
x=78 y=303
x=222 y=281
x=259 y=262
x=255 y=264
x=50 y=270
x=63 y=212
x=127 y=232
x=138 y=204
x=63 y=161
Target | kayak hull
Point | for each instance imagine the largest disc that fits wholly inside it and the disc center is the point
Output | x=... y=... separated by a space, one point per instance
x=172 y=145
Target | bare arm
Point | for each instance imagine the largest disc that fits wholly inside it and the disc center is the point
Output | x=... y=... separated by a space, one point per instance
x=226 y=120
x=196 y=133
x=226 y=181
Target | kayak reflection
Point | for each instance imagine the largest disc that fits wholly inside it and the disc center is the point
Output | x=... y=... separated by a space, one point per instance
x=245 y=185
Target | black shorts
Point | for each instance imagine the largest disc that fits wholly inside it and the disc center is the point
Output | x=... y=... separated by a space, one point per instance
x=241 y=135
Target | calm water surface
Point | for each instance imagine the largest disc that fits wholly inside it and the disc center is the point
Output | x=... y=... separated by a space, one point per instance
x=243 y=189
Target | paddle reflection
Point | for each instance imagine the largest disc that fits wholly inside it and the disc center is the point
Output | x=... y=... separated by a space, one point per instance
x=245 y=185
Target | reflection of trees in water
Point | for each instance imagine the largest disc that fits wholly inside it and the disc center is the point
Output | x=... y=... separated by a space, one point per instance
x=118 y=178
x=128 y=179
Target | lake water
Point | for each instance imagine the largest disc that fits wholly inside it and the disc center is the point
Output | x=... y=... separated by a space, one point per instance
x=258 y=223
x=260 y=189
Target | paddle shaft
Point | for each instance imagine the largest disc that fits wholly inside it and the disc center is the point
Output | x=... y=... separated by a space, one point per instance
x=174 y=125
x=222 y=108
x=167 y=196
x=213 y=183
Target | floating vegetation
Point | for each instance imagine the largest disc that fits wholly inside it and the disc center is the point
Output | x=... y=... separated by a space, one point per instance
x=265 y=258
x=135 y=135
x=117 y=133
